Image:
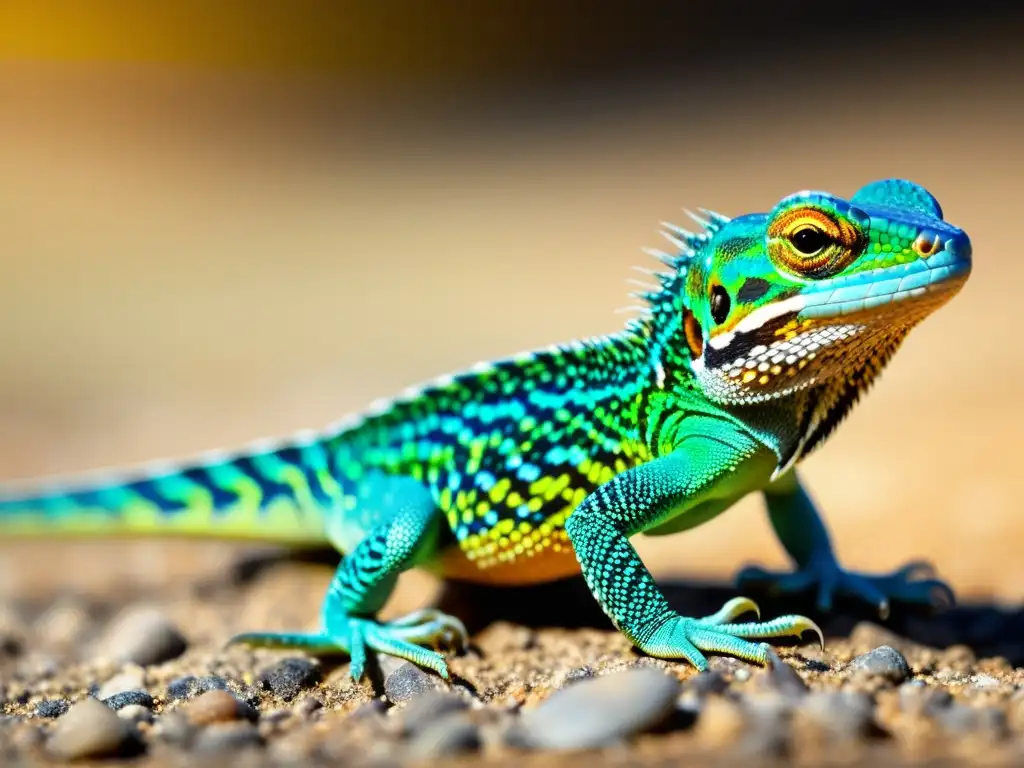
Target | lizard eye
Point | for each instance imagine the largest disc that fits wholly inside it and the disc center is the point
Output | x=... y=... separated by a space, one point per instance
x=809 y=240
x=720 y=304
x=813 y=242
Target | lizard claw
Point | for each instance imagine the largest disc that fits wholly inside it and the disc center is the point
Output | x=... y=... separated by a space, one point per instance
x=686 y=638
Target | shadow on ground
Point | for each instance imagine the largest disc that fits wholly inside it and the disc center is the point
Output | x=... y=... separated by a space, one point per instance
x=988 y=630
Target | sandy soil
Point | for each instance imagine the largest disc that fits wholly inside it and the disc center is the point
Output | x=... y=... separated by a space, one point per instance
x=958 y=699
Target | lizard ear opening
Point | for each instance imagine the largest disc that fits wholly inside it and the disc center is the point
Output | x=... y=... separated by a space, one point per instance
x=694 y=334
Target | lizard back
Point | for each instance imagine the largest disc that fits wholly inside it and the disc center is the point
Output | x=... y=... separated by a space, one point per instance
x=507 y=451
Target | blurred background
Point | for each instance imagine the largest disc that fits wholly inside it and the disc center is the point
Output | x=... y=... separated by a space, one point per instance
x=220 y=221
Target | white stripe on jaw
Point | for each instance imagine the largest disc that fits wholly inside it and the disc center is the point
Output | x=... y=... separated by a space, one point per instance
x=757 y=318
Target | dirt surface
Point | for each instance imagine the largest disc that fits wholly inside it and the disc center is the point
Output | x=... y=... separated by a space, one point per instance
x=958 y=699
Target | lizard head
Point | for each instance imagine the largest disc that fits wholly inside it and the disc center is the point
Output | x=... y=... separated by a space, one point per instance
x=820 y=290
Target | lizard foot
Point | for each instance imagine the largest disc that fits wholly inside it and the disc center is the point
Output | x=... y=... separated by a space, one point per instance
x=686 y=638
x=353 y=636
x=913 y=583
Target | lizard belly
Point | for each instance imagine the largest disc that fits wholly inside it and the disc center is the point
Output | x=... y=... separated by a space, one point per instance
x=508 y=516
x=533 y=567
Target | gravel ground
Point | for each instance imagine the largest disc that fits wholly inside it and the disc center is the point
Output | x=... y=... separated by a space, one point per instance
x=144 y=677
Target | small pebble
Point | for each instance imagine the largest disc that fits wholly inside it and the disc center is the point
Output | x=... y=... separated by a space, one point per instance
x=578 y=673
x=884 y=662
x=695 y=690
x=843 y=714
x=64 y=623
x=425 y=709
x=706 y=683
x=144 y=636
x=37 y=666
x=453 y=734
x=951 y=676
x=374 y=709
x=783 y=679
x=136 y=713
x=11 y=645
x=175 y=728
x=917 y=698
x=984 y=681
x=766 y=731
x=90 y=729
x=408 y=681
x=52 y=707
x=959 y=720
x=289 y=677
x=12 y=632
x=227 y=737
x=189 y=686
x=217 y=707
x=599 y=711
x=133 y=678
x=129 y=698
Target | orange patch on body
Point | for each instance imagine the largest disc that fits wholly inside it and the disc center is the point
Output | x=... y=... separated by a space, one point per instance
x=547 y=564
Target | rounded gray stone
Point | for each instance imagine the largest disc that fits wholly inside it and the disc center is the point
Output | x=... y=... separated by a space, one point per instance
x=175 y=728
x=426 y=708
x=918 y=698
x=766 y=730
x=408 y=681
x=132 y=678
x=136 y=713
x=599 y=711
x=960 y=720
x=885 y=662
x=129 y=698
x=91 y=729
x=289 y=677
x=844 y=714
x=189 y=686
x=706 y=683
x=227 y=737
x=452 y=734
x=52 y=707
x=144 y=636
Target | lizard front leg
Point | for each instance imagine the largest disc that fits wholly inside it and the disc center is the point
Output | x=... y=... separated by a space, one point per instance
x=641 y=498
x=802 y=533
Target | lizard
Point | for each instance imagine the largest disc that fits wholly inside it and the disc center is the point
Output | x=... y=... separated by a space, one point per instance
x=757 y=336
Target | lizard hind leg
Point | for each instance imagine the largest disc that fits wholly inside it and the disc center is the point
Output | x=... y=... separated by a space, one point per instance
x=404 y=534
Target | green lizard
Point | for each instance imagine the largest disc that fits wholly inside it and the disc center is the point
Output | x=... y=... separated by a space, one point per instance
x=757 y=339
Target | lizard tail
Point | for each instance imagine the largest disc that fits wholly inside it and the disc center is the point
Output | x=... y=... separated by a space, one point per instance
x=275 y=492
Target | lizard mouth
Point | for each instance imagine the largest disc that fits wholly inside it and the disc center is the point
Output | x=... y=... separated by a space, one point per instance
x=927 y=282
